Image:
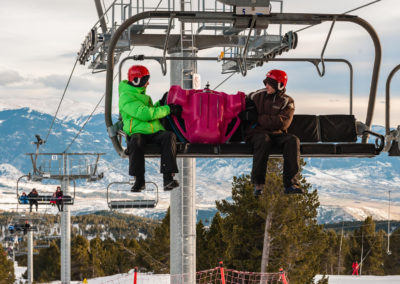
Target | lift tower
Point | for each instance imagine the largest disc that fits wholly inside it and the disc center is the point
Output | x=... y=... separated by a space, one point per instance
x=64 y=167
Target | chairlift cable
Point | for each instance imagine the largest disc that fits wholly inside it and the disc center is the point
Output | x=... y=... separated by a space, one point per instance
x=226 y=79
x=87 y=120
x=104 y=7
x=349 y=11
x=58 y=108
x=90 y=116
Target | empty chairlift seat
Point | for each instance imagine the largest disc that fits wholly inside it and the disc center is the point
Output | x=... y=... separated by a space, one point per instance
x=119 y=196
x=132 y=204
x=332 y=135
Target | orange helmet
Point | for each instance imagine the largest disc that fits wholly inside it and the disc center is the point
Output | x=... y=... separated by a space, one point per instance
x=138 y=75
x=279 y=76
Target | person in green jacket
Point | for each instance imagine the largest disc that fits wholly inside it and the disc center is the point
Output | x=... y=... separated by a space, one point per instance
x=142 y=125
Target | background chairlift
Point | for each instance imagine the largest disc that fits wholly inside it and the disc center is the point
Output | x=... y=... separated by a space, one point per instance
x=125 y=199
x=328 y=136
x=44 y=199
x=40 y=244
x=392 y=136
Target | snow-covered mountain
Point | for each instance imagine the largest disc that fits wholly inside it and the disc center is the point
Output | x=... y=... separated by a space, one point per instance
x=349 y=188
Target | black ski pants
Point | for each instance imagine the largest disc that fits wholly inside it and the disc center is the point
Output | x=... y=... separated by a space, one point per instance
x=137 y=143
x=60 y=204
x=31 y=203
x=262 y=144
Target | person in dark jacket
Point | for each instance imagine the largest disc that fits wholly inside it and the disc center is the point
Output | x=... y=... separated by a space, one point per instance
x=142 y=125
x=273 y=113
x=26 y=227
x=59 y=199
x=32 y=196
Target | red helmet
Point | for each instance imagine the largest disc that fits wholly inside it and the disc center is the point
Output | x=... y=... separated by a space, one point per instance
x=279 y=76
x=138 y=75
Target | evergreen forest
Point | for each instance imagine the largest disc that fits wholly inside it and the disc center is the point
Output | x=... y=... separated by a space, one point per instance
x=247 y=233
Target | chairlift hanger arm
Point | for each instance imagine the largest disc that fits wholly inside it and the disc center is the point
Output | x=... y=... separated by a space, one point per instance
x=387 y=104
x=274 y=18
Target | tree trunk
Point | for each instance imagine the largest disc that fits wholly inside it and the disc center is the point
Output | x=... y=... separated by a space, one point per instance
x=267 y=243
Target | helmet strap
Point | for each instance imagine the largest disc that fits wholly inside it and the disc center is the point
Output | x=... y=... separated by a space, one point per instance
x=136 y=81
x=280 y=86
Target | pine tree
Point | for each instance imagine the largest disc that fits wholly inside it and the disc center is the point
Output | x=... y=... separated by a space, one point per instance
x=6 y=268
x=216 y=246
x=242 y=227
x=80 y=259
x=296 y=241
x=96 y=257
x=330 y=256
x=46 y=265
x=202 y=257
x=367 y=247
x=392 y=260
x=110 y=261
x=156 y=249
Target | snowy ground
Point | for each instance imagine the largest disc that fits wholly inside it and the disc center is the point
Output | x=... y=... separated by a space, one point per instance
x=127 y=278
x=164 y=279
x=347 y=279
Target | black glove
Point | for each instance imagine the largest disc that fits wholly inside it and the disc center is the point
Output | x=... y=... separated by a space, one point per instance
x=175 y=109
x=248 y=115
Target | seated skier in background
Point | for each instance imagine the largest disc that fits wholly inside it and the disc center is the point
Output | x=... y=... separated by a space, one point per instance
x=141 y=124
x=32 y=196
x=272 y=112
x=26 y=227
x=59 y=199
x=24 y=198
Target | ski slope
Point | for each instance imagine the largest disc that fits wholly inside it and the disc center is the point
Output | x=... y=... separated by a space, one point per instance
x=144 y=278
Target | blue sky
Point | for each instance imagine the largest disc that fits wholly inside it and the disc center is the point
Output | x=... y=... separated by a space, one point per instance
x=39 y=41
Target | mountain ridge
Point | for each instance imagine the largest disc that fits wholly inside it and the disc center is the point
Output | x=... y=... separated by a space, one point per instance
x=341 y=182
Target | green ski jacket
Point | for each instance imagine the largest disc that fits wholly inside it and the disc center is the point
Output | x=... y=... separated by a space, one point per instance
x=139 y=115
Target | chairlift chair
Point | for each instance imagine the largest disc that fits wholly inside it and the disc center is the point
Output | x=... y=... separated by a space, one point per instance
x=41 y=244
x=128 y=200
x=392 y=136
x=44 y=199
x=328 y=136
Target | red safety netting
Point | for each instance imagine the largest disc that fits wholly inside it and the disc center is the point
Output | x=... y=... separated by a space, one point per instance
x=219 y=275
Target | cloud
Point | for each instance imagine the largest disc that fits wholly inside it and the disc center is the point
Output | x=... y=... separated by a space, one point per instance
x=9 y=77
x=76 y=84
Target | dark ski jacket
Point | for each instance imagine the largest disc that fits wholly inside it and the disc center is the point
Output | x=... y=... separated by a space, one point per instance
x=59 y=194
x=275 y=112
x=32 y=195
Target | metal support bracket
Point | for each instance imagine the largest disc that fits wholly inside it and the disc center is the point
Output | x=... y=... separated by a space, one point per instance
x=242 y=61
x=163 y=62
x=322 y=73
x=391 y=139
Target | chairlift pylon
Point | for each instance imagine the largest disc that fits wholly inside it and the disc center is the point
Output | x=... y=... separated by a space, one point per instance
x=128 y=200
